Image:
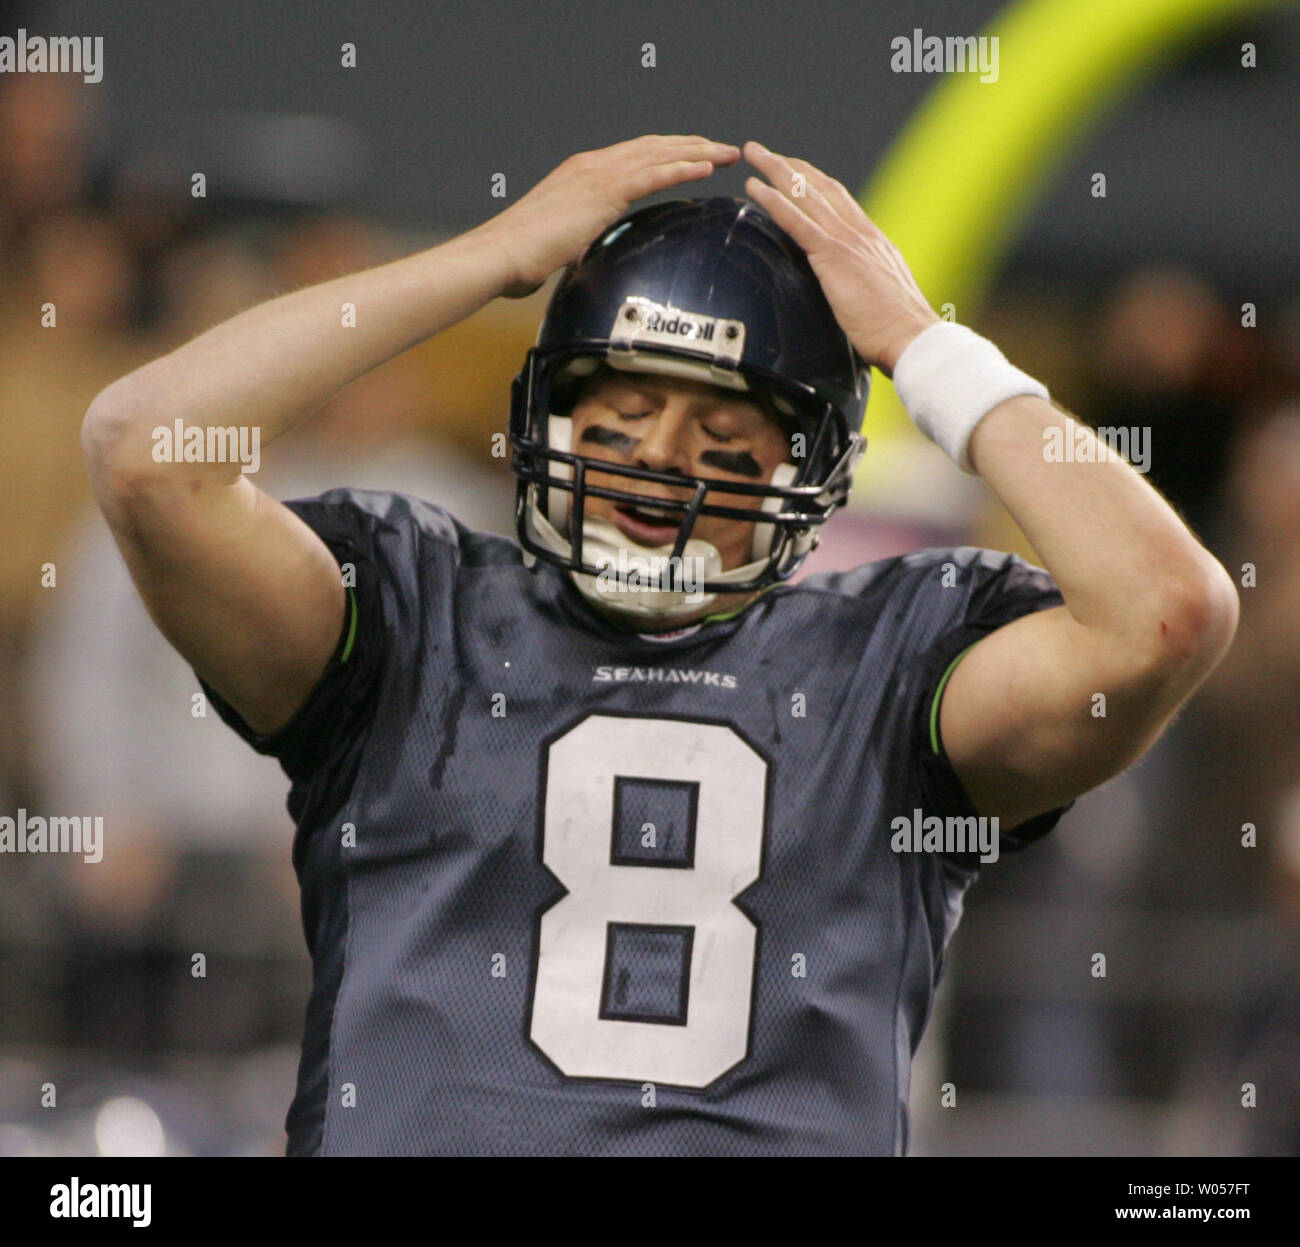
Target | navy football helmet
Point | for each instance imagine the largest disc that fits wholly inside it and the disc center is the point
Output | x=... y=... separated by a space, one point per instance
x=715 y=291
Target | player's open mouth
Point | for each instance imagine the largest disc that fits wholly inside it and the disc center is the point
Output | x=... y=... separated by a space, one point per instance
x=647 y=526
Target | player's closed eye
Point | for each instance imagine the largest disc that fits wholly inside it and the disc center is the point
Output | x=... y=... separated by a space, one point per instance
x=712 y=434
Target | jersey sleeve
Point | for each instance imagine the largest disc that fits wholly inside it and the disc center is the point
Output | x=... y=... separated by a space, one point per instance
x=997 y=589
x=336 y=712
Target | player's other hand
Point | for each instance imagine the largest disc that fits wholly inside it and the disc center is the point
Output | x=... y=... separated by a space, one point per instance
x=866 y=281
x=555 y=221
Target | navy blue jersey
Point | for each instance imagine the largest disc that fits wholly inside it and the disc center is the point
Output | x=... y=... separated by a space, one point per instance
x=569 y=889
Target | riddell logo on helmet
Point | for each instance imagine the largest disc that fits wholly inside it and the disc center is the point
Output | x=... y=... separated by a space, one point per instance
x=641 y=322
x=672 y=321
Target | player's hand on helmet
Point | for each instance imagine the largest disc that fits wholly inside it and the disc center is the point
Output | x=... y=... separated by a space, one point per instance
x=865 y=279
x=567 y=209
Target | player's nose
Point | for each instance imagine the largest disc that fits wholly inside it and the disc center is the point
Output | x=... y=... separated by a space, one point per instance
x=663 y=447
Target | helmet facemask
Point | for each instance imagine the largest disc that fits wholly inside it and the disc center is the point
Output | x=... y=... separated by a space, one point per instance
x=684 y=577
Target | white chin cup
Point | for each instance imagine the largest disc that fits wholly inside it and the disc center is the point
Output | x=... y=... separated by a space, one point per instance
x=630 y=573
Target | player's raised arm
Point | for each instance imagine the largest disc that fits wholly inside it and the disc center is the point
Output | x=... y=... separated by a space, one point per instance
x=1148 y=611
x=244 y=590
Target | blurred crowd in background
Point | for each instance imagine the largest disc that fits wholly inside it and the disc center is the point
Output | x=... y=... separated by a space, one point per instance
x=1201 y=935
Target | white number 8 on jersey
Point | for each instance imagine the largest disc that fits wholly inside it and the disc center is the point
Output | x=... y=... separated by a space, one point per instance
x=582 y=766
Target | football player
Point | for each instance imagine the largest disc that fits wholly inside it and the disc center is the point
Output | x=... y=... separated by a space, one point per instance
x=614 y=840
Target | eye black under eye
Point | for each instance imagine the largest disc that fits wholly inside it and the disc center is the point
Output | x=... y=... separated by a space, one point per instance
x=599 y=435
x=738 y=462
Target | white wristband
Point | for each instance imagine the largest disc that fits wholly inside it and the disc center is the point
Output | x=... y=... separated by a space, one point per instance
x=950 y=378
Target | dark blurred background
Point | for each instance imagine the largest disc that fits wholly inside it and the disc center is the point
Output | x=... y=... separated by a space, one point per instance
x=1131 y=313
